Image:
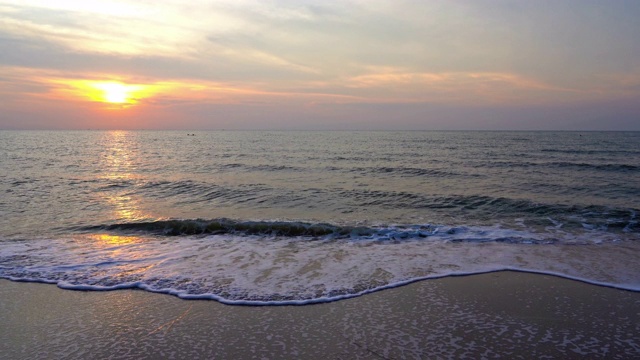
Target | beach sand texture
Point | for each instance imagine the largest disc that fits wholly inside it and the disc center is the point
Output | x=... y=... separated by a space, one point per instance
x=503 y=314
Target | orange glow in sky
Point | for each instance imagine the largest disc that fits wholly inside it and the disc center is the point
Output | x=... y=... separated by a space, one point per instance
x=111 y=92
x=120 y=94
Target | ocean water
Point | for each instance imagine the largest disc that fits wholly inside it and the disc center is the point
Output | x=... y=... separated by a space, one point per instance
x=304 y=217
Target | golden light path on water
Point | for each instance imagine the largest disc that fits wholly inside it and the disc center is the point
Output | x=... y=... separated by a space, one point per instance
x=109 y=239
x=117 y=160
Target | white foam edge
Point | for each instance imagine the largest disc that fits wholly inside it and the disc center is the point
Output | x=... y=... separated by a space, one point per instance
x=185 y=296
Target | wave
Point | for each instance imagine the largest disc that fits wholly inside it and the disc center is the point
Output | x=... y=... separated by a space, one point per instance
x=265 y=195
x=290 y=229
x=228 y=226
x=262 y=167
x=591 y=152
x=568 y=165
x=409 y=172
x=400 y=171
x=599 y=167
x=237 y=268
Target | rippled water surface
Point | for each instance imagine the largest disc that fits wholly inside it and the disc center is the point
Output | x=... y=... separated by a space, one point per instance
x=309 y=216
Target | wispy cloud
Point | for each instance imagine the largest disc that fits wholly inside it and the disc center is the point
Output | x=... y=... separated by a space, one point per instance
x=95 y=30
x=463 y=87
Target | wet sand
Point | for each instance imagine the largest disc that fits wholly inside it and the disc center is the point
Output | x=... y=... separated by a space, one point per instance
x=503 y=314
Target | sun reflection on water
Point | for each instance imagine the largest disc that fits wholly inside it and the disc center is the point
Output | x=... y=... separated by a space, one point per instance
x=123 y=251
x=117 y=159
x=108 y=239
x=118 y=164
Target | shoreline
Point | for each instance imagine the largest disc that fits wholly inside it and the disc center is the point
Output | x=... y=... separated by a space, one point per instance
x=315 y=301
x=504 y=313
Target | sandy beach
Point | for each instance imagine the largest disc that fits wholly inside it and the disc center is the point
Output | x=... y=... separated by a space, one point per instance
x=503 y=314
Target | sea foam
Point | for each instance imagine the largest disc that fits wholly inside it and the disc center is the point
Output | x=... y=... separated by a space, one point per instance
x=277 y=269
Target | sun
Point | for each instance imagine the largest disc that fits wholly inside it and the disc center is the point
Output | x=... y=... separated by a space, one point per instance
x=113 y=93
x=116 y=93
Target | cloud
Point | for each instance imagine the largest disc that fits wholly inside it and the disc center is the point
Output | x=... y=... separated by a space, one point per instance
x=73 y=86
x=97 y=29
x=325 y=58
x=462 y=87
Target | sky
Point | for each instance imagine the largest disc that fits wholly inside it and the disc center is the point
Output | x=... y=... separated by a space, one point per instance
x=320 y=65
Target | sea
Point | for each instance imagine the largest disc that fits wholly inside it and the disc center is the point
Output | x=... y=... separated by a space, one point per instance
x=301 y=217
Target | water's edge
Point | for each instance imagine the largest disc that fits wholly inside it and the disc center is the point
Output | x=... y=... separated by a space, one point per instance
x=138 y=286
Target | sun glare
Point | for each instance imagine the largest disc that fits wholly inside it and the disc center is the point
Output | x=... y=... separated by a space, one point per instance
x=119 y=95
x=116 y=93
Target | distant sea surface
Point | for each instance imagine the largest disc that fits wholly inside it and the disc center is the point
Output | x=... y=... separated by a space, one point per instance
x=303 y=217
